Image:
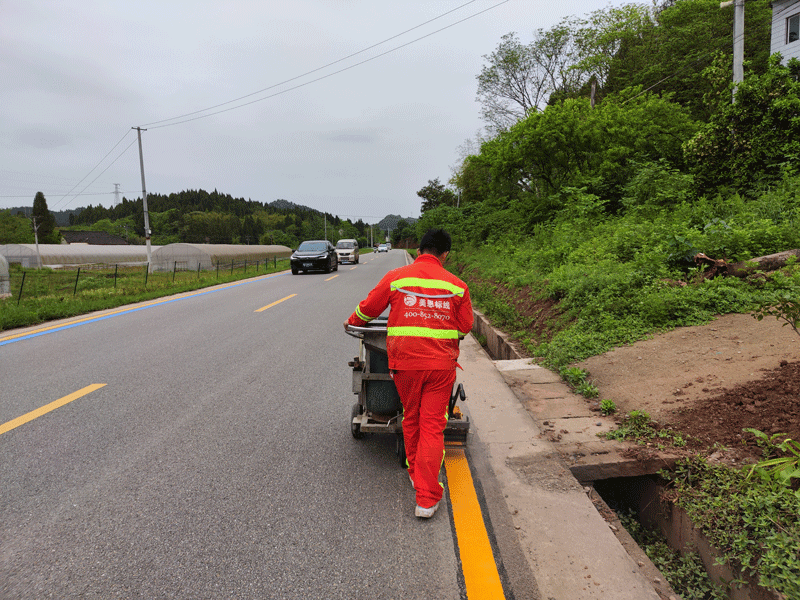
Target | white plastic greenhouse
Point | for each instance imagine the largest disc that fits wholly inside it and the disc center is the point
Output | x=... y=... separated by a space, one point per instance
x=61 y=255
x=163 y=258
x=191 y=257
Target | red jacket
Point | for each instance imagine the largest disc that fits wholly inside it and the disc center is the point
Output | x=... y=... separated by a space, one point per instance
x=430 y=312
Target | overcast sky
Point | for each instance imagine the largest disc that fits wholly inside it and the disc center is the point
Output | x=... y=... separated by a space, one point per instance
x=77 y=75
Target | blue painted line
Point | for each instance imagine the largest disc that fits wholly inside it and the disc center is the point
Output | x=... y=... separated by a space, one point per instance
x=137 y=309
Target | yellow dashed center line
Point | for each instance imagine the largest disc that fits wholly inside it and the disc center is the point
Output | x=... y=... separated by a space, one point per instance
x=334 y=277
x=274 y=303
x=47 y=408
x=477 y=560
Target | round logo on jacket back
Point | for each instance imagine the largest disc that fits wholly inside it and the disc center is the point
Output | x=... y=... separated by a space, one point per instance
x=409 y=300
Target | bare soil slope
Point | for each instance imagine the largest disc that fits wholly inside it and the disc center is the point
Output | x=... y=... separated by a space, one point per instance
x=710 y=381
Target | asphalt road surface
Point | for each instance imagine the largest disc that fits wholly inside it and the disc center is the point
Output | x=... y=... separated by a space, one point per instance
x=215 y=461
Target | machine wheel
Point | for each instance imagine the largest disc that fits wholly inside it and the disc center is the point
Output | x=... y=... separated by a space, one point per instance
x=401 y=450
x=355 y=428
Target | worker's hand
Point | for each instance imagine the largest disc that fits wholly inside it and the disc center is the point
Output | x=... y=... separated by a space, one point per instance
x=345 y=325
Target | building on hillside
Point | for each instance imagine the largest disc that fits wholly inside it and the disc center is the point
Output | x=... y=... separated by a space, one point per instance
x=94 y=238
x=785 y=29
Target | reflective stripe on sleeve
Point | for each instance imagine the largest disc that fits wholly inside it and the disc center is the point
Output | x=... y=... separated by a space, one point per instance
x=439 y=334
x=361 y=315
x=427 y=283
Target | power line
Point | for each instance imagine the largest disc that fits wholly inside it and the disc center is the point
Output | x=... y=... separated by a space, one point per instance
x=313 y=70
x=322 y=77
x=93 y=168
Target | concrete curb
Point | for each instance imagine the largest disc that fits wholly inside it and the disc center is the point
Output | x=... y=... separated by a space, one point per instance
x=571 y=551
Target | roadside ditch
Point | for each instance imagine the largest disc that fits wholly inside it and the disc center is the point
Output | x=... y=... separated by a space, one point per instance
x=617 y=476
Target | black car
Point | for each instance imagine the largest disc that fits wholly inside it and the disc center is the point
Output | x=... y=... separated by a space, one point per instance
x=315 y=255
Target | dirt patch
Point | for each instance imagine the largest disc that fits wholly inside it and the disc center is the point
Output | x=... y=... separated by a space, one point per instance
x=710 y=382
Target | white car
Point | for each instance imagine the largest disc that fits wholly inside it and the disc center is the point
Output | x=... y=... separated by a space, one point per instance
x=383 y=248
x=347 y=251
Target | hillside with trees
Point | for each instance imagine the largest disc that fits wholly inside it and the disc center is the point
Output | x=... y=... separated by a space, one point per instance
x=198 y=216
x=613 y=155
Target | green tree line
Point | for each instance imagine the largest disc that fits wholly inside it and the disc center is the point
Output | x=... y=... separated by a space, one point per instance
x=193 y=216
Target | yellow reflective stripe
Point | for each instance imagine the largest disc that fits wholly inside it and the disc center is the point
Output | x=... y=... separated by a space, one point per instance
x=439 y=334
x=362 y=316
x=437 y=284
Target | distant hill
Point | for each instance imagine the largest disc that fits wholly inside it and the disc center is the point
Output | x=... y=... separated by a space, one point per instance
x=389 y=222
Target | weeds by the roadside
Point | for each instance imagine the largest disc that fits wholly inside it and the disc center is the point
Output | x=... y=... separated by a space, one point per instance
x=638 y=426
x=50 y=294
x=578 y=379
x=685 y=572
x=754 y=523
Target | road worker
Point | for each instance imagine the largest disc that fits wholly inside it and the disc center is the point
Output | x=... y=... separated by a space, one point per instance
x=430 y=313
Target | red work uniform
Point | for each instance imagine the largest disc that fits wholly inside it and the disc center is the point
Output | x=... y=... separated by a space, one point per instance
x=430 y=312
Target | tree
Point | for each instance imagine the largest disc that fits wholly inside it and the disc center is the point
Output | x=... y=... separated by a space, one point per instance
x=15 y=229
x=436 y=194
x=511 y=85
x=559 y=63
x=44 y=221
x=753 y=140
x=670 y=54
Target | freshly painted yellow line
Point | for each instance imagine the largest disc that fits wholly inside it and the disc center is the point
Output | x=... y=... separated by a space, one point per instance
x=351 y=268
x=334 y=277
x=274 y=303
x=48 y=407
x=477 y=560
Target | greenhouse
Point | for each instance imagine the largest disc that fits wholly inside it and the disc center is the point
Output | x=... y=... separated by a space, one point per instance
x=193 y=257
x=62 y=255
x=163 y=258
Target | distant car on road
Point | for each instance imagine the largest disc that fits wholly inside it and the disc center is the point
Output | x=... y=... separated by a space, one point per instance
x=347 y=250
x=314 y=255
x=383 y=248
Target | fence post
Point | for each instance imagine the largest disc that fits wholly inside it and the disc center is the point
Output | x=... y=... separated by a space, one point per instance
x=217 y=269
x=231 y=267
x=146 y=273
x=275 y=258
x=21 y=285
x=75 y=291
x=245 y=266
x=115 y=275
x=198 y=269
x=174 y=268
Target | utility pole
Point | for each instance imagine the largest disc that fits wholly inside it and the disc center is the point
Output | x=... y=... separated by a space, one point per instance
x=144 y=201
x=36 y=239
x=116 y=194
x=738 y=40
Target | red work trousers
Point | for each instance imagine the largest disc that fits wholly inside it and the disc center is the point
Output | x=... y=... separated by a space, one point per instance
x=425 y=396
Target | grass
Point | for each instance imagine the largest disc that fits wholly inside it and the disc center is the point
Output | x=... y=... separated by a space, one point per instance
x=40 y=295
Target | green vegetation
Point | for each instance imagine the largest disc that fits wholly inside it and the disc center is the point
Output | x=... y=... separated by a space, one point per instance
x=56 y=294
x=782 y=459
x=608 y=407
x=684 y=572
x=755 y=523
x=639 y=427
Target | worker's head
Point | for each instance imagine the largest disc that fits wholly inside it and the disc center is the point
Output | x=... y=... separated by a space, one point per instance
x=435 y=241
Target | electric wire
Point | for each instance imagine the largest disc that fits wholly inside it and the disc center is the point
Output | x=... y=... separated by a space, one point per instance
x=330 y=64
x=58 y=202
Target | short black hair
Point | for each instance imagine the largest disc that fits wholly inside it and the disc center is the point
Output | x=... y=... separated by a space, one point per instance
x=436 y=241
